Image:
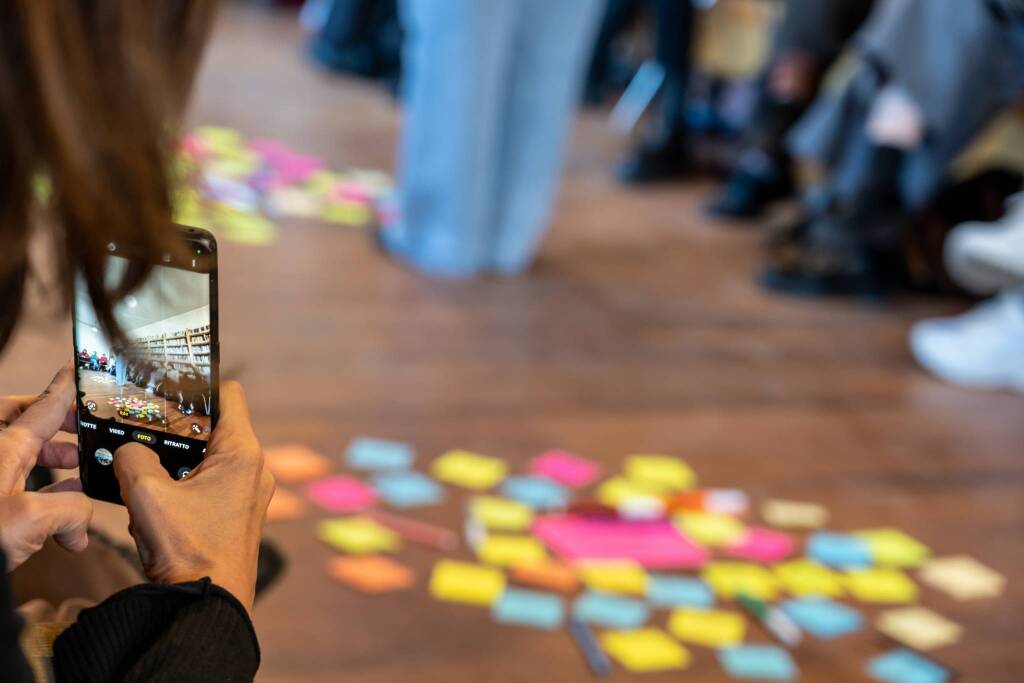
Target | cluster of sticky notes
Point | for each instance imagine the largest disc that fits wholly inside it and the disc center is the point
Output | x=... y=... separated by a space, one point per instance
x=469 y=470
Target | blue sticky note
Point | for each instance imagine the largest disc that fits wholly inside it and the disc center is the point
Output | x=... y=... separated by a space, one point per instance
x=904 y=666
x=678 y=591
x=408 y=489
x=610 y=611
x=537 y=492
x=529 y=608
x=762 y=662
x=838 y=550
x=822 y=617
x=365 y=453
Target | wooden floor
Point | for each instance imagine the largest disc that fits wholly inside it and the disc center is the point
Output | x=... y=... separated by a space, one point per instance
x=639 y=330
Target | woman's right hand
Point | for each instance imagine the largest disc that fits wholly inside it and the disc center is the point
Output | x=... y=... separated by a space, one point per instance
x=210 y=523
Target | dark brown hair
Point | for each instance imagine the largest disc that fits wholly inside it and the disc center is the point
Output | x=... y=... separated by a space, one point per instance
x=90 y=94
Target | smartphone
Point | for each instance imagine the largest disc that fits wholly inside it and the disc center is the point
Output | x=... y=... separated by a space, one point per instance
x=162 y=391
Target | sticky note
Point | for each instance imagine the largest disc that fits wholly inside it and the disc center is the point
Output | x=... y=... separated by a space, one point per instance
x=614 y=577
x=918 y=627
x=678 y=591
x=341 y=494
x=529 y=608
x=838 y=550
x=539 y=493
x=284 y=506
x=729 y=579
x=962 y=577
x=294 y=463
x=408 y=489
x=805 y=577
x=791 y=514
x=507 y=551
x=661 y=471
x=904 y=666
x=645 y=650
x=359 y=535
x=822 y=617
x=711 y=628
x=365 y=453
x=609 y=611
x=761 y=662
x=709 y=528
x=565 y=468
x=893 y=548
x=761 y=545
x=618 y=491
x=655 y=545
x=500 y=513
x=370 y=573
x=551 y=575
x=466 y=583
x=469 y=470
x=881 y=586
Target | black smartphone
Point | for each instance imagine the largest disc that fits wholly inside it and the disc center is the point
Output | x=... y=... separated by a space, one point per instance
x=163 y=390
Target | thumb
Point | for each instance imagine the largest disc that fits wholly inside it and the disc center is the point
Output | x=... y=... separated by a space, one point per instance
x=65 y=516
x=133 y=463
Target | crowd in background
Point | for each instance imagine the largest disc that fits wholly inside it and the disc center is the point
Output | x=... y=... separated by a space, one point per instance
x=858 y=117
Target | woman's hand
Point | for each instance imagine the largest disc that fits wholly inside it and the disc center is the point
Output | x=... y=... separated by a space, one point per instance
x=208 y=524
x=28 y=426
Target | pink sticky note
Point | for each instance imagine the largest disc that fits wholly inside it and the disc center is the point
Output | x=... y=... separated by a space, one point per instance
x=655 y=545
x=341 y=494
x=762 y=545
x=565 y=468
x=352 y=192
x=271 y=150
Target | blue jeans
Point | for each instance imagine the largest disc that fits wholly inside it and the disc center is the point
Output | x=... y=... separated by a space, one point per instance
x=491 y=90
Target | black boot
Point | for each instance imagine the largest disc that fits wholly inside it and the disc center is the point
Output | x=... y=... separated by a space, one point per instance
x=757 y=181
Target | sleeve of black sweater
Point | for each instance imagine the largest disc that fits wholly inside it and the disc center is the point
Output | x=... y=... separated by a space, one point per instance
x=13 y=665
x=186 y=632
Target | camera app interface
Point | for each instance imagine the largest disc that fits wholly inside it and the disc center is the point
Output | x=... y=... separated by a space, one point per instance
x=159 y=391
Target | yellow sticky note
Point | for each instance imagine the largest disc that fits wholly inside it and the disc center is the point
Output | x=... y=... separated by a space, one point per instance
x=501 y=513
x=963 y=577
x=729 y=579
x=918 y=627
x=645 y=650
x=219 y=139
x=510 y=551
x=466 y=583
x=360 y=535
x=661 y=471
x=469 y=470
x=792 y=514
x=347 y=213
x=881 y=585
x=803 y=578
x=713 y=628
x=617 y=491
x=893 y=548
x=614 y=577
x=709 y=528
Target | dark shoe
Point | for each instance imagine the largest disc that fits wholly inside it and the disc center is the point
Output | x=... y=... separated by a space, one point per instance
x=746 y=194
x=656 y=162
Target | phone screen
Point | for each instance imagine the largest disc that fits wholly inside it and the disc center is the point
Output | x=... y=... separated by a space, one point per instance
x=162 y=390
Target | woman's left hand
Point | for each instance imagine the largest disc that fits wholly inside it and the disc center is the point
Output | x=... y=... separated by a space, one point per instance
x=28 y=426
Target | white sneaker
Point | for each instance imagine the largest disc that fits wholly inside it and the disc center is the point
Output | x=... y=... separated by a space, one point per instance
x=983 y=348
x=986 y=258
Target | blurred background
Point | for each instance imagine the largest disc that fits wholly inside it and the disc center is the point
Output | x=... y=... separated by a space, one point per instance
x=777 y=239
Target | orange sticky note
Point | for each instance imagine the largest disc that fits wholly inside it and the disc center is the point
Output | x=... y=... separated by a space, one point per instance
x=553 y=576
x=284 y=506
x=294 y=463
x=370 y=573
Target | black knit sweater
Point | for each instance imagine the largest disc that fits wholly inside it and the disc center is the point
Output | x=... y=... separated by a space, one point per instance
x=186 y=632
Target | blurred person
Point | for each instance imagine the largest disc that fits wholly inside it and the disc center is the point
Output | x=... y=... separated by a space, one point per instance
x=93 y=115
x=808 y=41
x=604 y=73
x=930 y=75
x=984 y=347
x=490 y=92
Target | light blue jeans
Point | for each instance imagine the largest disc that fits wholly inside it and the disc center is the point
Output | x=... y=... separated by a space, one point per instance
x=490 y=93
